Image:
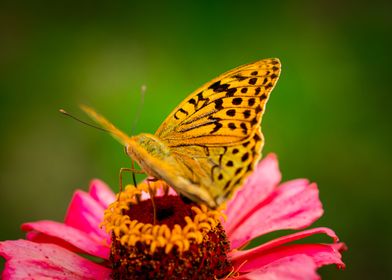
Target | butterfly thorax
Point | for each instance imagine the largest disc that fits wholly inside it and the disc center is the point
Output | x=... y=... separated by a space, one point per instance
x=147 y=150
x=152 y=145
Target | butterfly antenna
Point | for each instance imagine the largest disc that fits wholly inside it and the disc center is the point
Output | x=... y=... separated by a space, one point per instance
x=62 y=111
x=139 y=110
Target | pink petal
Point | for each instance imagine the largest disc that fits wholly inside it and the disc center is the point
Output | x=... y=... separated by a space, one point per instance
x=29 y=260
x=145 y=196
x=294 y=205
x=86 y=214
x=43 y=238
x=322 y=254
x=160 y=191
x=257 y=187
x=101 y=193
x=296 y=267
x=60 y=234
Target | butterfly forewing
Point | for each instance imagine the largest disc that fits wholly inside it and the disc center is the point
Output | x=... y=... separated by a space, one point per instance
x=226 y=110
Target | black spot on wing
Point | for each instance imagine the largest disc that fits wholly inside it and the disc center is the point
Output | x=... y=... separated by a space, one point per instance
x=218 y=104
x=257 y=137
x=269 y=85
x=200 y=98
x=245 y=157
x=230 y=113
x=238 y=181
x=230 y=92
x=252 y=81
x=218 y=87
x=239 y=77
x=232 y=126
x=237 y=101
x=244 y=128
x=246 y=114
x=218 y=126
x=227 y=185
x=181 y=111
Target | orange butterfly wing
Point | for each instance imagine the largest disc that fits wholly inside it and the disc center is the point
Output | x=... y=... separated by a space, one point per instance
x=215 y=132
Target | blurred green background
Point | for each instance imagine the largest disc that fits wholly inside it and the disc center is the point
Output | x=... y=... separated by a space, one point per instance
x=328 y=118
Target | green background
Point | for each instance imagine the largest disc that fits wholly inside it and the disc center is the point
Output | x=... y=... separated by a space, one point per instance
x=328 y=119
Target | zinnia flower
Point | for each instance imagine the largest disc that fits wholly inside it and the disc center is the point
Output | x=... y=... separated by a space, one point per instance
x=182 y=239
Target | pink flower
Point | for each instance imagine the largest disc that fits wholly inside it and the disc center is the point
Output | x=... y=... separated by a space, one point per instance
x=52 y=249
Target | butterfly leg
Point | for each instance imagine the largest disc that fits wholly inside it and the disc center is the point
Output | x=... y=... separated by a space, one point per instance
x=133 y=170
x=133 y=173
x=124 y=169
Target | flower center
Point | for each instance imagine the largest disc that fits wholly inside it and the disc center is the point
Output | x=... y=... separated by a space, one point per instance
x=187 y=241
x=170 y=210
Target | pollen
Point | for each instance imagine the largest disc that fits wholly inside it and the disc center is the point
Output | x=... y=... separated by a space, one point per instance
x=184 y=240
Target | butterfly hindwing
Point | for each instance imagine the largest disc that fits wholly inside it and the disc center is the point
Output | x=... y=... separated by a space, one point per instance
x=220 y=169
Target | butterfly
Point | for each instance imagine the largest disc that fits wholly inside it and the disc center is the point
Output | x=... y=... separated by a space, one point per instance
x=211 y=142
